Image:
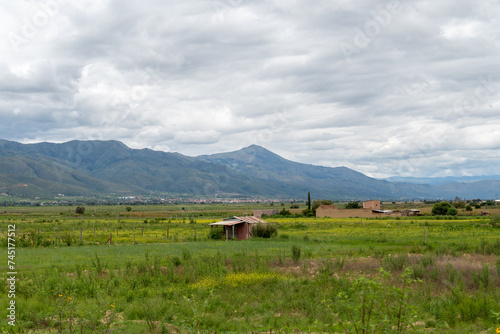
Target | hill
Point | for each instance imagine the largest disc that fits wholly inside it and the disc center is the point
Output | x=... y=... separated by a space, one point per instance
x=91 y=167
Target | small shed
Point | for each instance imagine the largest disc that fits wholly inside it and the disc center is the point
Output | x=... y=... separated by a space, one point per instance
x=238 y=227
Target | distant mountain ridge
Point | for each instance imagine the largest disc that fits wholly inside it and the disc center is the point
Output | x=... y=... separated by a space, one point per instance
x=442 y=180
x=90 y=167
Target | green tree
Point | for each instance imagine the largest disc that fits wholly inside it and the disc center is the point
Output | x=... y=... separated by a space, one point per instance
x=353 y=205
x=309 y=201
x=452 y=211
x=468 y=208
x=490 y=203
x=317 y=203
x=80 y=210
x=441 y=208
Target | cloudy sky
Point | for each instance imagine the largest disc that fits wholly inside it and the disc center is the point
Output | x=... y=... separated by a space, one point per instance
x=396 y=88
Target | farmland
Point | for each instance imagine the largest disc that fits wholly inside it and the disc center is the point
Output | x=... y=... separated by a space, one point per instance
x=160 y=273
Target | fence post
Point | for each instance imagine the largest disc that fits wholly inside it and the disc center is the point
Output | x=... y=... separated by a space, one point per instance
x=425 y=235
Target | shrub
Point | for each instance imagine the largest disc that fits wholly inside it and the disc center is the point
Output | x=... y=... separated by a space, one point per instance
x=441 y=208
x=216 y=234
x=396 y=262
x=468 y=208
x=317 y=203
x=67 y=238
x=80 y=210
x=128 y=209
x=452 y=211
x=176 y=261
x=308 y=213
x=459 y=204
x=284 y=212
x=352 y=205
x=265 y=230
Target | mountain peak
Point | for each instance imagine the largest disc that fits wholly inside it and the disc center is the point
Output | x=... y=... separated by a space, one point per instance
x=256 y=149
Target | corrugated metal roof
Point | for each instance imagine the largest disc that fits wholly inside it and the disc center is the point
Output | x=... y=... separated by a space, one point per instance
x=382 y=211
x=238 y=220
x=251 y=219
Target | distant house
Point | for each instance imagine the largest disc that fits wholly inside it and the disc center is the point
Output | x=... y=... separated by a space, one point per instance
x=238 y=227
x=374 y=205
x=331 y=211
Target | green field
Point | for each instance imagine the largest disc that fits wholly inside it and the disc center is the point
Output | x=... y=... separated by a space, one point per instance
x=318 y=275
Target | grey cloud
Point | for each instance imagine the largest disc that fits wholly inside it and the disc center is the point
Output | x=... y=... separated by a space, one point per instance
x=208 y=76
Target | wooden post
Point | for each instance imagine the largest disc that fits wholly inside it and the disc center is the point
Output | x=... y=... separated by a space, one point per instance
x=233 y=231
x=110 y=238
x=116 y=232
x=425 y=235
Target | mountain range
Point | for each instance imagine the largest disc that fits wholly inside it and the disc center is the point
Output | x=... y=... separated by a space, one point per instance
x=86 y=168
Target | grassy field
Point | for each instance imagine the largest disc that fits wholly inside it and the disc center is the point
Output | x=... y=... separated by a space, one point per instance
x=318 y=275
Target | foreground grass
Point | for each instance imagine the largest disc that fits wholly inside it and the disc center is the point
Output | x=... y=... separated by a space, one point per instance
x=318 y=275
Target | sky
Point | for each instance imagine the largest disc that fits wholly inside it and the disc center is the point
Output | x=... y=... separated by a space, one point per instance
x=388 y=88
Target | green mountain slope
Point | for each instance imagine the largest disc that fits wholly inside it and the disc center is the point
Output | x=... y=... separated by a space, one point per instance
x=91 y=167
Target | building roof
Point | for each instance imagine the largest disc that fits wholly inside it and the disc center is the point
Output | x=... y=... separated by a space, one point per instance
x=238 y=220
x=382 y=211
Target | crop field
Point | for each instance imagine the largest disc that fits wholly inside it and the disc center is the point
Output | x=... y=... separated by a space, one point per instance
x=154 y=269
